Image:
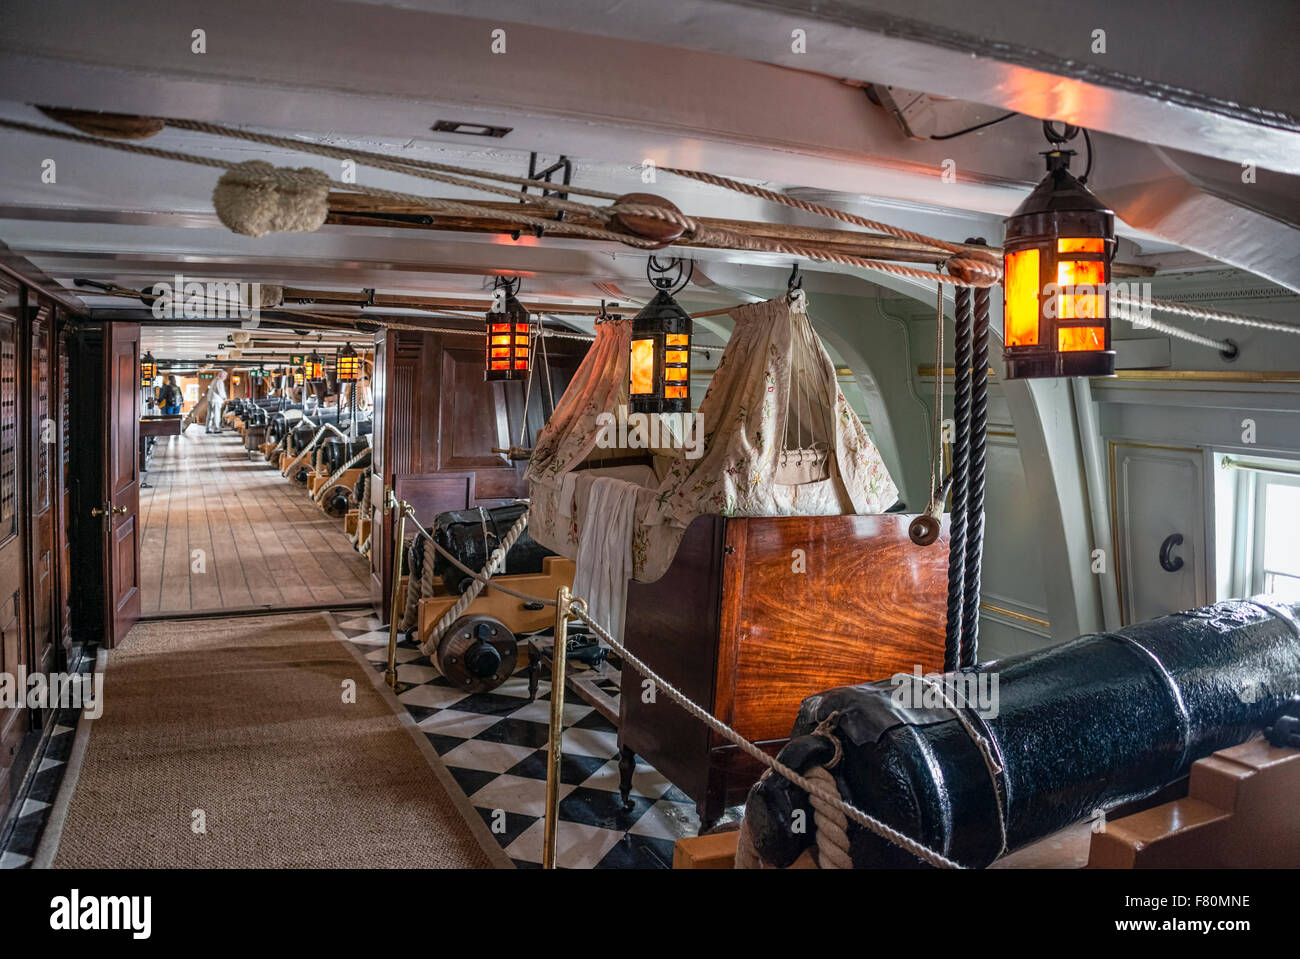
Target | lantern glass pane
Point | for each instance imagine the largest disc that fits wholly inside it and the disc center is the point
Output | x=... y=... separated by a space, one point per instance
x=678 y=339
x=675 y=356
x=675 y=392
x=1076 y=339
x=643 y=367
x=1075 y=273
x=1080 y=244
x=1020 y=271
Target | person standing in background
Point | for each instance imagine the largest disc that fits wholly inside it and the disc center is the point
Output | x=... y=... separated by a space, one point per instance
x=169 y=397
x=216 y=399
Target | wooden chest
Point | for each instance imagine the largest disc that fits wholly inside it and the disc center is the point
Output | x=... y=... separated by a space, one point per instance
x=754 y=615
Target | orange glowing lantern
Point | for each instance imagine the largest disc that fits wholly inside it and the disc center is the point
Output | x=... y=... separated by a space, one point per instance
x=508 y=334
x=314 y=367
x=659 y=366
x=348 y=365
x=1056 y=272
x=148 y=370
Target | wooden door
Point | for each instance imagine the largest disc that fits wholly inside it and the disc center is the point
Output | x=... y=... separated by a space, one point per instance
x=120 y=511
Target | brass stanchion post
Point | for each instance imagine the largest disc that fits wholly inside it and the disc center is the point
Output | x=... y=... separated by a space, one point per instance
x=390 y=676
x=563 y=602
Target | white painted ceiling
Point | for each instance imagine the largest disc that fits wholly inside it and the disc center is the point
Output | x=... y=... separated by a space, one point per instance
x=375 y=77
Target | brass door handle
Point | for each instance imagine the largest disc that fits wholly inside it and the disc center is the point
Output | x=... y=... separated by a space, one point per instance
x=108 y=510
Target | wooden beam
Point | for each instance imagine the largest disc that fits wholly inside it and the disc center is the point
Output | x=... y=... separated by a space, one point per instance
x=349 y=209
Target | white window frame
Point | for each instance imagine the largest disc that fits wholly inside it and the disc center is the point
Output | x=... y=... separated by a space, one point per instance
x=1250 y=501
x=1262 y=483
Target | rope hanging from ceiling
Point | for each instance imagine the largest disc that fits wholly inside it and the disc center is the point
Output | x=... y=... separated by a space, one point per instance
x=300 y=208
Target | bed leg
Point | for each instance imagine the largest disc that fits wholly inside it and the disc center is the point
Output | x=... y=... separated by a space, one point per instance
x=626 y=767
x=534 y=671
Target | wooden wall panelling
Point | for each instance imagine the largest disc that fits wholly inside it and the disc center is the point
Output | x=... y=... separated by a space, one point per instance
x=42 y=449
x=14 y=652
x=436 y=424
x=63 y=391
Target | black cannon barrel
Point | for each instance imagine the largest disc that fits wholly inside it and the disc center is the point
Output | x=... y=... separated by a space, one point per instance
x=1087 y=725
x=471 y=535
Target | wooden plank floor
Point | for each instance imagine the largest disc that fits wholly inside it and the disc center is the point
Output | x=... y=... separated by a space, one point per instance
x=264 y=542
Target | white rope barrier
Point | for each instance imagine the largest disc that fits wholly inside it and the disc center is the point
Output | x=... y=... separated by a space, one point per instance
x=817 y=791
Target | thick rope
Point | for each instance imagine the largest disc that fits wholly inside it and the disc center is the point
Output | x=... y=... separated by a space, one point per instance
x=291 y=144
x=306 y=450
x=496 y=562
x=976 y=271
x=972 y=268
x=1200 y=313
x=974 y=554
x=921 y=852
x=814 y=789
x=1223 y=346
x=968 y=262
x=324 y=488
x=963 y=349
x=830 y=821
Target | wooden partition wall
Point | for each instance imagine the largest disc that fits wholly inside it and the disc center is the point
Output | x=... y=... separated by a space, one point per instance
x=436 y=424
x=35 y=569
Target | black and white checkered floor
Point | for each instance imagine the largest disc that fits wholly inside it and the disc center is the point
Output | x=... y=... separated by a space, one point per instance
x=494 y=744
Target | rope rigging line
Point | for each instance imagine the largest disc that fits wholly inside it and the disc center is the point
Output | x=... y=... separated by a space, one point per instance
x=815 y=789
x=967 y=267
x=977 y=272
x=291 y=144
x=819 y=790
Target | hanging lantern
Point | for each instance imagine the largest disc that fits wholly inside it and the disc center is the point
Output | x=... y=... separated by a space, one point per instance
x=1056 y=273
x=314 y=366
x=148 y=370
x=298 y=378
x=659 y=367
x=348 y=365
x=507 y=334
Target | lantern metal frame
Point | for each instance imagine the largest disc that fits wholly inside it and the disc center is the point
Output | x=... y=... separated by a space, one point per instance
x=148 y=370
x=508 y=331
x=313 y=366
x=347 y=364
x=661 y=337
x=1052 y=241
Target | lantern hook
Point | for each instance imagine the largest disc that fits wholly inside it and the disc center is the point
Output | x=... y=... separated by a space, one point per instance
x=795 y=282
x=510 y=284
x=1067 y=134
x=669 y=277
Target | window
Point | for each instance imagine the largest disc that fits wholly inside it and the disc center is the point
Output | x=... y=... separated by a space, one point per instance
x=1264 y=517
x=1276 y=563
